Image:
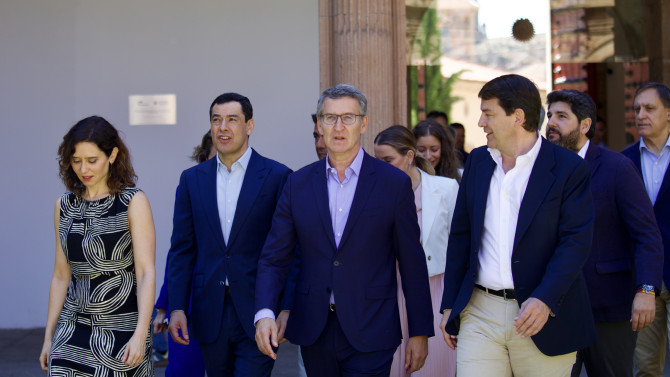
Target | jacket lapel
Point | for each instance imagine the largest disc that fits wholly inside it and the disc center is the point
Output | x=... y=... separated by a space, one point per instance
x=431 y=197
x=363 y=190
x=483 y=173
x=251 y=186
x=540 y=182
x=319 y=182
x=207 y=187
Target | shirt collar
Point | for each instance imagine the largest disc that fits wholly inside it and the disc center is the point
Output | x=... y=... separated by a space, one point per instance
x=243 y=161
x=582 y=152
x=528 y=157
x=644 y=146
x=355 y=165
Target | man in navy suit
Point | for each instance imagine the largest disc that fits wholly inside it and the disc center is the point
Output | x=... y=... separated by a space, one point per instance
x=626 y=262
x=520 y=234
x=353 y=217
x=651 y=156
x=222 y=214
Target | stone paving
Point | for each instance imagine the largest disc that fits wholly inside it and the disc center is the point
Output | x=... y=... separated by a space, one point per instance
x=20 y=351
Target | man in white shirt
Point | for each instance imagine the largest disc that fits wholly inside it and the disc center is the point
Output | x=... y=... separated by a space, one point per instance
x=625 y=266
x=514 y=297
x=222 y=215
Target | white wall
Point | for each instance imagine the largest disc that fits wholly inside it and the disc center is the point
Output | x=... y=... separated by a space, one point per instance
x=64 y=60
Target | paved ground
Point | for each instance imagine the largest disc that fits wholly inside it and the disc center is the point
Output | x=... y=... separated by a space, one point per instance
x=20 y=350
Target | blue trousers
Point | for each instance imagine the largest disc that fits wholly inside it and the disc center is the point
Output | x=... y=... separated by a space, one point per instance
x=333 y=356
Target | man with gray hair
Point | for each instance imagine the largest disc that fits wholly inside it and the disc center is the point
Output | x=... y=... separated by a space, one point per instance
x=354 y=219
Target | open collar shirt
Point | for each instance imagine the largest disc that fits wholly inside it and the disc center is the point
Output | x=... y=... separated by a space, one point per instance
x=505 y=194
x=654 y=168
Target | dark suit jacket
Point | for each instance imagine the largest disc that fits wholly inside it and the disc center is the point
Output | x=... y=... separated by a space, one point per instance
x=382 y=227
x=200 y=258
x=661 y=207
x=552 y=242
x=627 y=249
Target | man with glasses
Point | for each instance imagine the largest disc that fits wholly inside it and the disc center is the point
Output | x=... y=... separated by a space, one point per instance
x=222 y=214
x=353 y=218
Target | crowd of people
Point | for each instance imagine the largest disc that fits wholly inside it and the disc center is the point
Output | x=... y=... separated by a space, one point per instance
x=529 y=256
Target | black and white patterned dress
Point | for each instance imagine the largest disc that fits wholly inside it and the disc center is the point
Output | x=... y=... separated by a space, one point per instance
x=100 y=311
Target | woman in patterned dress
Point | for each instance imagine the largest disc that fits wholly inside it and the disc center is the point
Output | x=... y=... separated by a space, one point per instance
x=102 y=289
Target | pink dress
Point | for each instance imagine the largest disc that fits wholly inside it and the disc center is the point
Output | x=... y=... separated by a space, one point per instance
x=441 y=360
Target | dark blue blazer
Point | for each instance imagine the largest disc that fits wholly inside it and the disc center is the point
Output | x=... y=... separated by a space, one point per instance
x=661 y=207
x=199 y=257
x=627 y=249
x=551 y=244
x=382 y=227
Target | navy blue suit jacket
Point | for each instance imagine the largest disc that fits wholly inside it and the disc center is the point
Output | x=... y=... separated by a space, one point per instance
x=661 y=207
x=200 y=258
x=382 y=227
x=551 y=244
x=627 y=249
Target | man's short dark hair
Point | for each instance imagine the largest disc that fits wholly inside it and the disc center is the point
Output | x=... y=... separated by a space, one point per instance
x=580 y=104
x=436 y=114
x=662 y=91
x=457 y=125
x=244 y=102
x=515 y=92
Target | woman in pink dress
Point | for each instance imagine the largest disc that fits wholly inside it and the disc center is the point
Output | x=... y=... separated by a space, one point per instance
x=435 y=198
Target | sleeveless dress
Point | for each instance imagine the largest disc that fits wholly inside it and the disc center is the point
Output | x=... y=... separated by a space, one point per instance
x=99 y=315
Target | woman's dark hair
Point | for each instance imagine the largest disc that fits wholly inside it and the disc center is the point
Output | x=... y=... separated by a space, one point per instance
x=403 y=141
x=100 y=132
x=449 y=163
x=201 y=152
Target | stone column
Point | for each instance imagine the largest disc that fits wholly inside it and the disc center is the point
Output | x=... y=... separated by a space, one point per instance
x=362 y=43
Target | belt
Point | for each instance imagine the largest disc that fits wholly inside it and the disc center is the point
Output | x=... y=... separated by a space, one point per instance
x=507 y=294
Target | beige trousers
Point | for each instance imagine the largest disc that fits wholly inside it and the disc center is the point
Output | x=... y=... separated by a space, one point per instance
x=650 y=346
x=488 y=346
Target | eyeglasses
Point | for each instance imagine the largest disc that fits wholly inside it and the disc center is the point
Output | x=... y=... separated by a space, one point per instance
x=347 y=119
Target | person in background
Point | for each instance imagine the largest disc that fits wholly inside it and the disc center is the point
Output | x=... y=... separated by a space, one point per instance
x=600 y=133
x=319 y=145
x=651 y=156
x=437 y=146
x=102 y=289
x=627 y=250
x=435 y=198
x=440 y=117
x=185 y=360
x=459 y=130
x=515 y=301
x=223 y=212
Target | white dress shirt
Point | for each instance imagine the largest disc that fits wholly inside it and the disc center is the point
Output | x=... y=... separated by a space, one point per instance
x=506 y=192
x=228 y=187
x=582 y=152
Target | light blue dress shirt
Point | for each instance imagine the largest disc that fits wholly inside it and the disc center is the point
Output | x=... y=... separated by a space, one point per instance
x=654 y=168
x=228 y=187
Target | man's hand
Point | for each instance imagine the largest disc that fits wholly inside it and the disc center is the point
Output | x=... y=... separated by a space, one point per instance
x=266 y=336
x=451 y=340
x=415 y=353
x=159 y=323
x=282 y=320
x=644 y=310
x=532 y=317
x=178 y=322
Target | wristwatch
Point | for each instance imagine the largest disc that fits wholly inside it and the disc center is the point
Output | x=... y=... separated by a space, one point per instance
x=646 y=288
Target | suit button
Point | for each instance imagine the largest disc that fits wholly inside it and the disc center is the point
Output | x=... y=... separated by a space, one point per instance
x=336 y=263
x=328 y=290
x=429 y=257
x=221 y=283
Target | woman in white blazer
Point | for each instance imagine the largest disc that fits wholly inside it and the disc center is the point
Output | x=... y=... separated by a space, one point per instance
x=435 y=198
